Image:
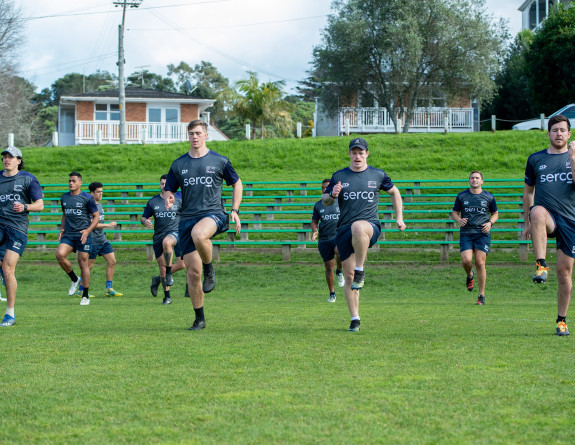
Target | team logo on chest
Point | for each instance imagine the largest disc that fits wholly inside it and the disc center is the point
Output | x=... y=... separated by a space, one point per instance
x=18 y=187
x=371 y=184
x=210 y=169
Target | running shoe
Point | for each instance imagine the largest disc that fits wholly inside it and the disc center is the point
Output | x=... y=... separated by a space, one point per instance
x=358 y=280
x=113 y=293
x=561 y=328
x=167 y=300
x=331 y=298
x=481 y=300
x=541 y=274
x=74 y=287
x=198 y=325
x=154 y=287
x=85 y=301
x=354 y=326
x=469 y=281
x=8 y=321
x=169 y=280
x=209 y=281
x=340 y=278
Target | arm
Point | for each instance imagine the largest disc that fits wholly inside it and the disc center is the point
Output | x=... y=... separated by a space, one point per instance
x=146 y=222
x=329 y=198
x=62 y=225
x=92 y=226
x=314 y=229
x=36 y=206
x=237 y=192
x=528 y=197
x=168 y=199
x=456 y=216
x=397 y=207
x=486 y=228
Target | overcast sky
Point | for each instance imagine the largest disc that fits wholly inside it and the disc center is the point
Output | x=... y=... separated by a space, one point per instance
x=275 y=38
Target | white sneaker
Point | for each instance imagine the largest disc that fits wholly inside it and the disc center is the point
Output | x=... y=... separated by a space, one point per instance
x=74 y=287
x=331 y=299
x=340 y=279
x=85 y=301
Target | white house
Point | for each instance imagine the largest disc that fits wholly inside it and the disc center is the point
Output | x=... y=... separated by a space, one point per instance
x=535 y=11
x=151 y=117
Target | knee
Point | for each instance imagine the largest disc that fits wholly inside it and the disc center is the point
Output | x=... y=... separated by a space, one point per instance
x=538 y=215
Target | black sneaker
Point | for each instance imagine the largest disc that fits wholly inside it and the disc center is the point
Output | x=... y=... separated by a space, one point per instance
x=169 y=279
x=354 y=326
x=469 y=282
x=154 y=287
x=209 y=281
x=198 y=325
x=358 y=280
x=481 y=300
x=167 y=300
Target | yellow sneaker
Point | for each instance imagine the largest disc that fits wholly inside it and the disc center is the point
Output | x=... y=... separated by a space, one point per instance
x=113 y=293
x=541 y=274
x=562 y=328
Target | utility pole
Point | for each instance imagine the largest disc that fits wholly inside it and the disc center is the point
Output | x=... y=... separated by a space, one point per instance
x=121 y=62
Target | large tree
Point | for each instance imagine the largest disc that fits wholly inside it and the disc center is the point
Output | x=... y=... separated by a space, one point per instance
x=550 y=61
x=399 y=52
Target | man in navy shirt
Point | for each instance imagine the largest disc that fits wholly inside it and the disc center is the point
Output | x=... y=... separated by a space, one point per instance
x=324 y=224
x=549 y=209
x=79 y=217
x=200 y=174
x=356 y=188
x=166 y=236
x=475 y=211
x=21 y=193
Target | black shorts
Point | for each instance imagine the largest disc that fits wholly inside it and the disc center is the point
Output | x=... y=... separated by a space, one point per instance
x=343 y=240
x=326 y=249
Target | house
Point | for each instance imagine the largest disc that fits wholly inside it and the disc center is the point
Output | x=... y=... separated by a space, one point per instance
x=535 y=11
x=152 y=117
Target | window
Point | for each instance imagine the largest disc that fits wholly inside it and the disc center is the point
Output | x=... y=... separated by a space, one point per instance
x=569 y=113
x=107 y=112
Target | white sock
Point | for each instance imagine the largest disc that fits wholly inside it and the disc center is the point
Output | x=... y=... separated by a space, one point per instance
x=355 y=318
x=10 y=311
x=358 y=268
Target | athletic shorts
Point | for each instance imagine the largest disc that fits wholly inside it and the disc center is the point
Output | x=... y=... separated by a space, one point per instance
x=564 y=234
x=222 y=221
x=343 y=240
x=159 y=248
x=11 y=239
x=100 y=250
x=474 y=241
x=74 y=241
x=326 y=249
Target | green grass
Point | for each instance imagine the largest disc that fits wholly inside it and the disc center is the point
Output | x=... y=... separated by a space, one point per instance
x=276 y=364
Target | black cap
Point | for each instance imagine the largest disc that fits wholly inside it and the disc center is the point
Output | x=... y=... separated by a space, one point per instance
x=358 y=143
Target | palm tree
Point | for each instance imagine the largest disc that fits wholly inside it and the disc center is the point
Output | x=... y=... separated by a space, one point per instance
x=263 y=103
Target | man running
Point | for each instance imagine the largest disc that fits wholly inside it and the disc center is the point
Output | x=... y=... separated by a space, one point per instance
x=475 y=211
x=549 y=209
x=166 y=238
x=323 y=224
x=79 y=218
x=100 y=245
x=356 y=189
x=21 y=193
x=200 y=174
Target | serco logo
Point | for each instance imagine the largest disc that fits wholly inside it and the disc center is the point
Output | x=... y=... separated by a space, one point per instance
x=170 y=215
x=566 y=177
x=330 y=217
x=73 y=211
x=10 y=197
x=199 y=180
x=368 y=196
x=542 y=167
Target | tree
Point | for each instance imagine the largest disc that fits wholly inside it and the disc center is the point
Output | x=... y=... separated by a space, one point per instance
x=153 y=81
x=400 y=52
x=550 y=61
x=262 y=103
x=76 y=83
x=513 y=99
x=11 y=30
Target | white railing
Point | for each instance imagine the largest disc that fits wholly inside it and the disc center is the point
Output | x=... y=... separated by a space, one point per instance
x=377 y=120
x=93 y=132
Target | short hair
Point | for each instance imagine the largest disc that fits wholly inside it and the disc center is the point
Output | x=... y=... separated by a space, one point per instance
x=198 y=122
x=476 y=171
x=75 y=174
x=556 y=119
x=164 y=176
x=95 y=186
x=326 y=180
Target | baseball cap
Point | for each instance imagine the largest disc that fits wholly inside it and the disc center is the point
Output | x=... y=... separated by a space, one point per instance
x=12 y=151
x=358 y=143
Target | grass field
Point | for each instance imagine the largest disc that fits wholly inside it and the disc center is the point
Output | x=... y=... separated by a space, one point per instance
x=276 y=364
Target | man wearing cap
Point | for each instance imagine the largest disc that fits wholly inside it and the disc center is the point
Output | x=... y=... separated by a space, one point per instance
x=20 y=194
x=356 y=189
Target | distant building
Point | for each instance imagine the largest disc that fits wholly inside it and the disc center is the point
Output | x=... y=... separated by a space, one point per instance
x=535 y=11
x=152 y=117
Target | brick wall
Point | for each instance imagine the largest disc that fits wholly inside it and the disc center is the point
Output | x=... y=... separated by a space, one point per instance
x=135 y=112
x=189 y=112
x=85 y=111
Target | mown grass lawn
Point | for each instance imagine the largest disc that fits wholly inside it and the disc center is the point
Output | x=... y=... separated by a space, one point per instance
x=276 y=364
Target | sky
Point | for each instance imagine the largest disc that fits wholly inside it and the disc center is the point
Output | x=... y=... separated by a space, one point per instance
x=274 y=38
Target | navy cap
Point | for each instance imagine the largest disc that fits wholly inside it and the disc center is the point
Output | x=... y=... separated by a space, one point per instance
x=358 y=143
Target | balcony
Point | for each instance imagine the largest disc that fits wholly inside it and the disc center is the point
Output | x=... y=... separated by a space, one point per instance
x=97 y=132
